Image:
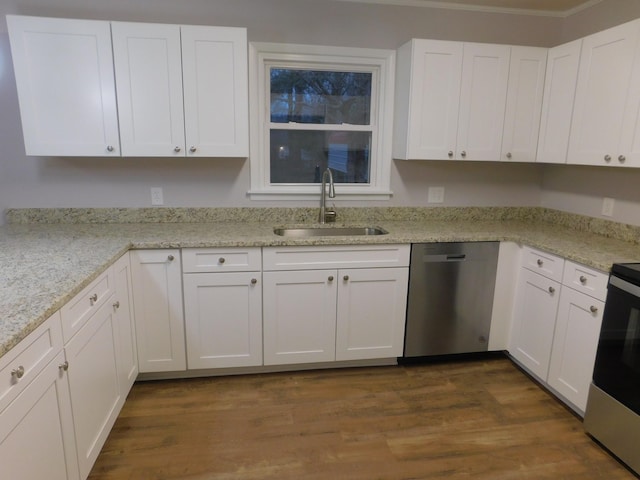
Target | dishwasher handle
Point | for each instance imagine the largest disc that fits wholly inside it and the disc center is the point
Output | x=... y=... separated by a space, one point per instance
x=445 y=257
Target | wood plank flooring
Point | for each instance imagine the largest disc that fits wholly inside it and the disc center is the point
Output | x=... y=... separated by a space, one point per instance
x=480 y=419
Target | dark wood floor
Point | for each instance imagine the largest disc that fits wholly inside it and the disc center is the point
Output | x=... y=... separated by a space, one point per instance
x=481 y=419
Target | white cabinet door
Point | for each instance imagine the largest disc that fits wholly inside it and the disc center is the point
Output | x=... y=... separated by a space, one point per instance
x=159 y=319
x=94 y=384
x=524 y=104
x=299 y=316
x=557 y=105
x=148 y=70
x=123 y=308
x=483 y=95
x=427 y=99
x=574 y=345
x=66 y=91
x=36 y=430
x=535 y=311
x=371 y=313
x=223 y=319
x=607 y=62
x=214 y=62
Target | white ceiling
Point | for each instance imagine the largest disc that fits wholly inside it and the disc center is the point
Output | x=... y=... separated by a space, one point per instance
x=561 y=8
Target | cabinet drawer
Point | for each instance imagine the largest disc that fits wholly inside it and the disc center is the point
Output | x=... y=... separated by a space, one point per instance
x=23 y=362
x=585 y=280
x=78 y=310
x=546 y=264
x=335 y=256
x=202 y=260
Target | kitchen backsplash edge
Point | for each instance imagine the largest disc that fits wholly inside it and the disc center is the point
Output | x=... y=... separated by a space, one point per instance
x=279 y=215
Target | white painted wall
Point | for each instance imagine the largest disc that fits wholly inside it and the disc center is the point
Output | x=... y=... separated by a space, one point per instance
x=96 y=182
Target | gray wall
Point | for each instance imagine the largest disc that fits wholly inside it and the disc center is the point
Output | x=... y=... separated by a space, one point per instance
x=96 y=182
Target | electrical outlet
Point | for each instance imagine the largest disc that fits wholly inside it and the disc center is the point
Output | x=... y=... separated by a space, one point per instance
x=435 y=195
x=156 y=196
x=607 y=206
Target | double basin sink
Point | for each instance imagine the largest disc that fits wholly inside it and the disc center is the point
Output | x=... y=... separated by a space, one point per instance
x=307 y=232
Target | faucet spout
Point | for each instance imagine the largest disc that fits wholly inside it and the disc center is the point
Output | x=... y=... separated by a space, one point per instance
x=324 y=213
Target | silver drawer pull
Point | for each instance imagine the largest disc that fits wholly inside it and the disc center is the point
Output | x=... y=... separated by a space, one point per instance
x=552 y=290
x=254 y=281
x=18 y=372
x=583 y=279
x=171 y=258
x=593 y=309
x=330 y=278
x=346 y=278
x=93 y=298
x=64 y=366
x=221 y=260
x=116 y=305
x=539 y=262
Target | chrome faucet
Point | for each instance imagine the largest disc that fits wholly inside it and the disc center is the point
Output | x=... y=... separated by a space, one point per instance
x=327 y=215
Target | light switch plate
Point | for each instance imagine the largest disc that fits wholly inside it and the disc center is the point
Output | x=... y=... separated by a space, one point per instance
x=607 y=206
x=435 y=195
x=156 y=196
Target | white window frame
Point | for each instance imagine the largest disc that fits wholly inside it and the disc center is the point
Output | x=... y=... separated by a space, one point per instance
x=381 y=63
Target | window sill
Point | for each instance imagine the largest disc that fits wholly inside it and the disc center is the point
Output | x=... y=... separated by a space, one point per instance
x=277 y=194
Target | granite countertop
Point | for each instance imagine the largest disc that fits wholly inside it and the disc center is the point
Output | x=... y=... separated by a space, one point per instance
x=44 y=265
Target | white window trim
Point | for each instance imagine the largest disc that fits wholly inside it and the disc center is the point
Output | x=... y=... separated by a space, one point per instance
x=261 y=54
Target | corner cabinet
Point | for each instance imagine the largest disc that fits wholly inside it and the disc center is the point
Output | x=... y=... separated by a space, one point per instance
x=66 y=90
x=182 y=90
x=159 y=320
x=323 y=304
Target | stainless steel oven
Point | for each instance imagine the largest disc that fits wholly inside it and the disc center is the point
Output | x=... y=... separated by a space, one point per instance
x=613 y=410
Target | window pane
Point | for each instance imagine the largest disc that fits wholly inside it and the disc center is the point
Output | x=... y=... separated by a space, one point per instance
x=322 y=97
x=300 y=156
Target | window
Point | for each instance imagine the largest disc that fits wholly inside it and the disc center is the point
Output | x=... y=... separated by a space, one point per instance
x=318 y=108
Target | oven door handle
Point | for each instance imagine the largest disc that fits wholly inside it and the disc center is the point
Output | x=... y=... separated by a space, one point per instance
x=624 y=285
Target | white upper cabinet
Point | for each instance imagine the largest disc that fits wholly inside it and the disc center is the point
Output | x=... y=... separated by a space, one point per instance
x=66 y=91
x=428 y=80
x=606 y=104
x=148 y=69
x=214 y=63
x=557 y=105
x=450 y=100
x=483 y=95
x=524 y=104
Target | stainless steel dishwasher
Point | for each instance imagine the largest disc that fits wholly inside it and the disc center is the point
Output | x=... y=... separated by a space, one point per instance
x=451 y=288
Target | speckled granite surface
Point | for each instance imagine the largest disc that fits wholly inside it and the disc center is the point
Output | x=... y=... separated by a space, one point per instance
x=47 y=256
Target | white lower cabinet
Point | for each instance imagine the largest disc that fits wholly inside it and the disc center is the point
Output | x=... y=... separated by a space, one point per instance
x=536 y=306
x=158 y=310
x=94 y=384
x=315 y=312
x=36 y=425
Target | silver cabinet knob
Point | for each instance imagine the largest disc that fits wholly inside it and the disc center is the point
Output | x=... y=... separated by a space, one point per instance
x=450 y=153
x=583 y=279
x=330 y=278
x=607 y=158
x=93 y=298
x=192 y=148
x=621 y=158
x=64 y=366
x=116 y=305
x=18 y=372
x=346 y=278
x=552 y=290
x=593 y=309
x=463 y=153
x=177 y=149
x=509 y=155
x=171 y=258
x=110 y=148
x=254 y=281
x=540 y=262
x=221 y=260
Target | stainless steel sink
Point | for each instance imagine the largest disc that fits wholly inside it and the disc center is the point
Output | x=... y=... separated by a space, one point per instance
x=304 y=232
